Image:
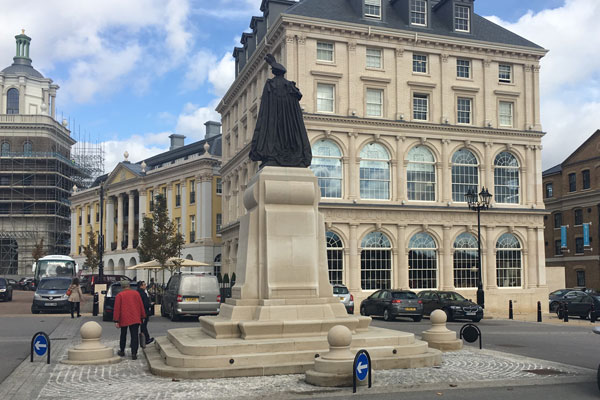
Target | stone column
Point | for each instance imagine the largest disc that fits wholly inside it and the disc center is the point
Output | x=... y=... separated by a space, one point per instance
x=354 y=91
x=354 y=267
x=142 y=207
x=22 y=96
x=206 y=206
x=199 y=208
x=440 y=186
x=541 y=261
x=53 y=107
x=170 y=200
x=84 y=225
x=131 y=219
x=490 y=260
x=110 y=222
x=73 y=227
x=447 y=272
x=401 y=178
x=184 y=216
x=352 y=177
x=532 y=257
x=487 y=169
x=536 y=91
x=2 y=108
x=120 y=221
x=446 y=184
x=403 y=260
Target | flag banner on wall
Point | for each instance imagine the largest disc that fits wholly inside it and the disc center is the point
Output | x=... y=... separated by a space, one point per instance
x=586 y=235
x=563 y=236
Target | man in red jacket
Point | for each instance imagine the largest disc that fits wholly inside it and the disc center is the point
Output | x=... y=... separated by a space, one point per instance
x=129 y=312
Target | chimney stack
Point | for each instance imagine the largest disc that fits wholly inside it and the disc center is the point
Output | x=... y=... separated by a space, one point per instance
x=177 y=141
x=213 y=128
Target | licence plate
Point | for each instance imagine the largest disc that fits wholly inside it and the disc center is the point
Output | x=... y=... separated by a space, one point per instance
x=410 y=309
x=470 y=313
x=49 y=304
x=190 y=299
x=342 y=298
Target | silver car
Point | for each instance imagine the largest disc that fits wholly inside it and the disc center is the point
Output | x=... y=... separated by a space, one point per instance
x=191 y=294
x=345 y=296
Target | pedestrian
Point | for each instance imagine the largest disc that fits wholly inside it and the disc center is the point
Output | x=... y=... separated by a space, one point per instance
x=75 y=297
x=152 y=290
x=128 y=314
x=148 y=306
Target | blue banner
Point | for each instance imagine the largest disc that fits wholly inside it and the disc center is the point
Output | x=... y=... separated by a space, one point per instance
x=563 y=237
x=586 y=235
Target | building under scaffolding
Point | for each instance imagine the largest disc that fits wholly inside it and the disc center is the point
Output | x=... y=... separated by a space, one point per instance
x=90 y=156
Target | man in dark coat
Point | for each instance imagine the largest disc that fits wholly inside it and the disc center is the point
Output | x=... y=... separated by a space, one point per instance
x=148 y=308
x=280 y=137
x=128 y=314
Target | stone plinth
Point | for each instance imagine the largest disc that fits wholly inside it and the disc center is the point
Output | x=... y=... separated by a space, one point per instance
x=91 y=351
x=440 y=337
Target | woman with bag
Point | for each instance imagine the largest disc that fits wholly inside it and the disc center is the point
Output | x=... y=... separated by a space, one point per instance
x=75 y=297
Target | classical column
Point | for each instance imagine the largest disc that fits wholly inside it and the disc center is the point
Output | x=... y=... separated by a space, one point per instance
x=131 y=219
x=541 y=264
x=355 y=106
x=403 y=259
x=142 y=207
x=530 y=151
x=352 y=177
x=354 y=267
x=401 y=178
x=531 y=257
x=84 y=225
x=198 y=207
x=53 y=107
x=184 y=216
x=206 y=206
x=120 y=221
x=446 y=183
x=447 y=272
x=73 y=229
x=170 y=201
x=2 y=95
x=490 y=260
x=487 y=169
x=110 y=223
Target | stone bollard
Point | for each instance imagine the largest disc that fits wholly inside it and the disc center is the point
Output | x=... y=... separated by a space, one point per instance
x=335 y=367
x=91 y=351
x=438 y=336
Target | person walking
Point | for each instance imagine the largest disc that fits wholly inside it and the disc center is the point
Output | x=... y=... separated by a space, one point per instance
x=148 y=305
x=128 y=315
x=75 y=297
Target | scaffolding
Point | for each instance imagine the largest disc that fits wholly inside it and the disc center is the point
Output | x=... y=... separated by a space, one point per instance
x=90 y=156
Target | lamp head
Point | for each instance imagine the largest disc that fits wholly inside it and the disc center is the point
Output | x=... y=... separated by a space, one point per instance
x=485 y=197
x=471 y=198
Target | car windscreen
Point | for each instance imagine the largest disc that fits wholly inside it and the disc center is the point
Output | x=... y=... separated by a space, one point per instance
x=340 y=290
x=451 y=296
x=116 y=289
x=404 y=295
x=2 y=282
x=54 y=284
x=560 y=292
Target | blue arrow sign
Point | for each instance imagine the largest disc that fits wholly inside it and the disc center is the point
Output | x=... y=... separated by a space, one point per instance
x=362 y=367
x=40 y=345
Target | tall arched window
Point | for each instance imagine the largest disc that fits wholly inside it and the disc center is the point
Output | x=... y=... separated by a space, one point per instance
x=5 y=148
x=465 y=261
x=465 y=174
x=506 y=178
x=422 y=262
x=420 y=174
x=27 y=147
x=374 y=172
x=335 y=258
x=327 y=167
x=12 y=101
x=508 y=261
x=376 y=262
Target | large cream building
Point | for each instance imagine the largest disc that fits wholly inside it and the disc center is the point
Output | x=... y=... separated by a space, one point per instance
x=188 y=176
x=408 y=104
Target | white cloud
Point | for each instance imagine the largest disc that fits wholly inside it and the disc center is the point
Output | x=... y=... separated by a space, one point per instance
x=198 y=69
x=222 y=75
x=191 y=120
x=139 y=147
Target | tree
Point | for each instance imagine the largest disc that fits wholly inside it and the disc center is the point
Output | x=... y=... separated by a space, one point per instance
x=38 y=250
x=92 y=258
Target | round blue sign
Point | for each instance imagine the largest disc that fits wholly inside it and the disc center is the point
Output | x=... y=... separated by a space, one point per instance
x=40 y=345
x=362 y=367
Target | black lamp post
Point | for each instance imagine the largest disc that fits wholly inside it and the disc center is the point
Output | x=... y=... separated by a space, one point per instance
x=477 y=204
x=101 y=237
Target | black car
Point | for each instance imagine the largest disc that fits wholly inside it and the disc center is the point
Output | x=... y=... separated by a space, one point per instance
x=51 y=295
x=6 y=290
x=26 y=284
x=580 y=304
x=109 y=299
x=391 y=303
x=557 y=296
x=453 y=304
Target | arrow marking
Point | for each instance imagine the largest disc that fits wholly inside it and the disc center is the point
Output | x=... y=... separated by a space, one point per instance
x=37 y=345
x=360 y=367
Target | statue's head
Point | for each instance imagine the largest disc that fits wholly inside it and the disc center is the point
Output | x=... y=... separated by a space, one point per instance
x=276 y=68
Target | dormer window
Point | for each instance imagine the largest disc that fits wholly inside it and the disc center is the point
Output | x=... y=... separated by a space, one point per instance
x=373 y=9
x=462 y=19
x=418 y=12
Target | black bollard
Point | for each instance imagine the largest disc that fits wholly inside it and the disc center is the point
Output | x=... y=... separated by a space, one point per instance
x=565 y=312
x=593 y=313
x=95 y=305
x=510 y=310
x=539 y=313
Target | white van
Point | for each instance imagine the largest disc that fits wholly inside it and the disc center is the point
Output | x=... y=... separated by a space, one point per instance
x=191 y=294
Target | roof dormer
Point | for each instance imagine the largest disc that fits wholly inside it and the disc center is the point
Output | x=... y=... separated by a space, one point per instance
x=458 y=14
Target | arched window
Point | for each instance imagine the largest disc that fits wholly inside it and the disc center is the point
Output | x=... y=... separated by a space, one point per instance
x=374 y=172
x=508 y=261
x=465 y=174
x=422 y=262
x=465 y=261
x=375 y=262
x=327 y=167
x=27 y=147
x=12 y=101
x=335 y=258
x=420 y=174
x=217 y=264
x=5 y=148
x=506 y=178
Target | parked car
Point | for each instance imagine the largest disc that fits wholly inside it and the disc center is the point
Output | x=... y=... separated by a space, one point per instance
x=88 y=282
x=26 y=283
x=109 y=299
x=556 y=297
x=12 y=283
x=191 y=294
x=391 y=303
x=51 y=295
x=580 y=305
x=6 y=290
x=345 y=296
x=453 y=304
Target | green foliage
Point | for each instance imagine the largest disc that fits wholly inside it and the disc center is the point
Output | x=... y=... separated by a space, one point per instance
x=219 y=278
x=92 y=258
x=226 y=278
x=233 y=279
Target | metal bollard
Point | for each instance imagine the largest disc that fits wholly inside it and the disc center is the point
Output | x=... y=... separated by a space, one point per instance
x=565 y=312
x=95 y=305
x=593 y=314
x=539 y=312
x=510 y=310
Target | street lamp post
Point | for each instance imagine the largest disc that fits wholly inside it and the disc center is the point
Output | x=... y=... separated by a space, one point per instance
x=101 y=237
x=478 y=203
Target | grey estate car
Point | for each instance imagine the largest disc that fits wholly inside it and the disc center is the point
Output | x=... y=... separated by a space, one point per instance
x=391 y=303
x=191 y=294
x=345 y=296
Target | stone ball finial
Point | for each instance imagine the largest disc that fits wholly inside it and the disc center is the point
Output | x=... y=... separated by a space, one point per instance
x=91 y=330
x=438 y=317
x=126 y=155
x=206 y=147
x=339 y=336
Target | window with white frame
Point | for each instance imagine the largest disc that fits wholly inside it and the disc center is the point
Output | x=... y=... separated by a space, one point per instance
x=420 y=174
x=462 y=19
x=373 y=9
x=463 y=68
x=219 y=188
x=505 y=113
x=465 y=174
x=508 y=261
x=375 y=262
x=374 y=57
x=5 y=148
x=335 y=258
x=218 y=222
x=505 y=73
x=374 y=103
x=422 y=262
x=420 y=107
x=464 y=110
x=418 y=12
x=27 y=147
x=325 y=51
x=374 y=172
x=465 y=261
x=192 y=227
x=325 y=97
x=327 y=166
x=420 y=63
x=506 y=178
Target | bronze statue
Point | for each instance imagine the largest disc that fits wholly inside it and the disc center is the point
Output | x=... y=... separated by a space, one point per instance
x=280 y=137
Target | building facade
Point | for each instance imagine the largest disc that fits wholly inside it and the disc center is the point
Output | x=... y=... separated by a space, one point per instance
x=36 y=169
x=408 y=105
x=572 y=198
x=188 y=176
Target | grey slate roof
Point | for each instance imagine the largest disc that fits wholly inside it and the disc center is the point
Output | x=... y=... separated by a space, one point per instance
x=341 y=10
x=554 y=170
x=21 y=69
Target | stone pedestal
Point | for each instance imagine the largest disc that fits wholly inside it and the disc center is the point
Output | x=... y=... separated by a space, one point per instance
x=91 y=351
x=438 y=336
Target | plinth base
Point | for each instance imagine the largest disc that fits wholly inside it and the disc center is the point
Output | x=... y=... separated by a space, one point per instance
x=104 y=355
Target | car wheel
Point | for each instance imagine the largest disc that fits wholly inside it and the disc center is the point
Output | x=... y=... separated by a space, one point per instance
x=10 y=298
x=387 y=315
x=174 y=316
x=417 y=319
x=362 y=311
x=35 y=311
x=554 y=306
x=449 y=317
x=476 y=319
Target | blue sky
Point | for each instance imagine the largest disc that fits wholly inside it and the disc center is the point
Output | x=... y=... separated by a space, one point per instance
x=133 y=72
